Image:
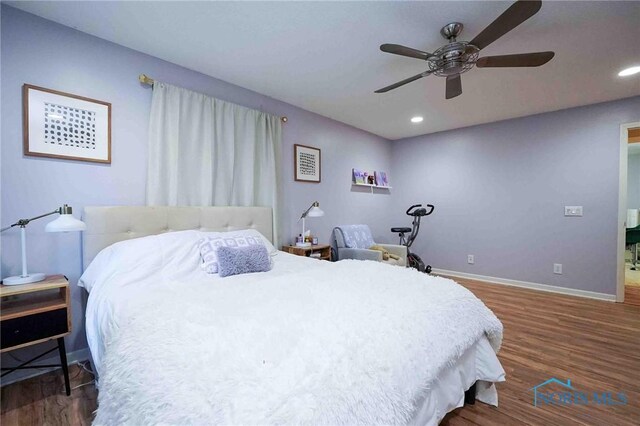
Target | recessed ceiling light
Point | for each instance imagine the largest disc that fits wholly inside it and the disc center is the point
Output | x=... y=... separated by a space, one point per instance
x=629 y=71
x=417 y=119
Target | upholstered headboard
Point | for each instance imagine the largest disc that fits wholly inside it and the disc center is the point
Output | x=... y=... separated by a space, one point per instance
x=108 y=225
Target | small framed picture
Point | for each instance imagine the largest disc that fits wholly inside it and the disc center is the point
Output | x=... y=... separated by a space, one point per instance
x=307 y=164
x=381 y=179
x=62 y=125
x=359 y=176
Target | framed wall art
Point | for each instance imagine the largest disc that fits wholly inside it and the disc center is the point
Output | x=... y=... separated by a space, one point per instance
x=382 y=180
x=66 y=126
x=307 y=164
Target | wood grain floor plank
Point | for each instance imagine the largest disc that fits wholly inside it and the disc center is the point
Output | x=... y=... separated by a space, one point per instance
x=595 y=344
x=42 y=400
x=632 y=295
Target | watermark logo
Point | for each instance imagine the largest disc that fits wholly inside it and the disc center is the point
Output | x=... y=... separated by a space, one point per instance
x=568 y=395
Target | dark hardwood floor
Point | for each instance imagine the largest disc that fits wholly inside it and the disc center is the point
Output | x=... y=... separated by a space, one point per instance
x=42 y=400
x=594 y=344
x=632 y=295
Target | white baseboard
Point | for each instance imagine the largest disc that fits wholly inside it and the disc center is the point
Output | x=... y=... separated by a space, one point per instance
x=525 y=284
x=72 y=358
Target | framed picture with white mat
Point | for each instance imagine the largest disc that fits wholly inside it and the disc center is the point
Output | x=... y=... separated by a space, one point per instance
x=307 y=164
x=62 y=125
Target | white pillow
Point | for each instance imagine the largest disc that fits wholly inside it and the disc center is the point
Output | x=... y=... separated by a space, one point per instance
x=244 y=233
x=173 y=251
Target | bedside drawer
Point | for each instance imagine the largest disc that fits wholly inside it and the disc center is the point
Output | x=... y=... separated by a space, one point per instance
x=33 y=327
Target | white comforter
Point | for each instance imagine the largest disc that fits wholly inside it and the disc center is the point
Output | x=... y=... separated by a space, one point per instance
x=350 y=342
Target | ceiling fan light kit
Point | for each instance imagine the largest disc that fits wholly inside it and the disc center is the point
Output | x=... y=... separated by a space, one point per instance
x=457 y=57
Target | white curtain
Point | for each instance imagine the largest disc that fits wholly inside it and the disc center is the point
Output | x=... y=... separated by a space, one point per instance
x=204 y=151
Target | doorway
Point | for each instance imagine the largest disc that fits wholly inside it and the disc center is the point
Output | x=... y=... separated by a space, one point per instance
x=629 y=206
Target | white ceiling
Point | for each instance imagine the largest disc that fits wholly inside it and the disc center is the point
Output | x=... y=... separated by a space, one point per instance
x=324 y=57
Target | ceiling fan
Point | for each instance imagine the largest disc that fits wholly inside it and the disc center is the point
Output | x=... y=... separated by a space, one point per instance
x=458 y=57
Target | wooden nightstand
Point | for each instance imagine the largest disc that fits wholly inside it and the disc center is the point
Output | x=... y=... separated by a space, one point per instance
x=323 y=249
x=36 y=313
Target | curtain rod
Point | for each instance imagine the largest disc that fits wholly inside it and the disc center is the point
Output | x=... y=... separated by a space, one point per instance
x=145 y=79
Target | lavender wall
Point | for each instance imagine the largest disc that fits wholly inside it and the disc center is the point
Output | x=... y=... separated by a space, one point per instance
x=43 y=53
x=500 y=190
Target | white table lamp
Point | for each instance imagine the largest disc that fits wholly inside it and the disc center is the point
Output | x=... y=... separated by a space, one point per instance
x=65 y=223
x=313 y=211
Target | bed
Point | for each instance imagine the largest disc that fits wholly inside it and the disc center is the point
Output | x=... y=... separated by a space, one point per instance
x=349 y=342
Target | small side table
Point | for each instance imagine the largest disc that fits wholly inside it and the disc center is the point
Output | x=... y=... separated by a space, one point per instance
x=36 y=313
x=319 y=251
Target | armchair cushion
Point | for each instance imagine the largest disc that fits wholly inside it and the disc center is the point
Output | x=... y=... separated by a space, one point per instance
x=386 y=255
x=400 y=251
x=360 y=254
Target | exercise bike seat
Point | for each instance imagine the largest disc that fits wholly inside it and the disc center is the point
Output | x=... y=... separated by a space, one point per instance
x=401 y=230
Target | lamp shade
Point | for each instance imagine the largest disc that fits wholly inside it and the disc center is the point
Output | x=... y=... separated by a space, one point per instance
x=315 y=212
x=65 y=223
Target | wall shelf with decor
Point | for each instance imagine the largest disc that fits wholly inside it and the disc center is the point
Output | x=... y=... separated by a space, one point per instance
x=376 y=179
x=372 y=186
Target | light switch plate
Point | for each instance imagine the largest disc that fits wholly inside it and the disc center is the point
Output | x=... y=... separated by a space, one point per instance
x=574 y=211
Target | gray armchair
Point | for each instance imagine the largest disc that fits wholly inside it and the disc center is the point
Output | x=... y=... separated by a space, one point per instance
x=353 y=242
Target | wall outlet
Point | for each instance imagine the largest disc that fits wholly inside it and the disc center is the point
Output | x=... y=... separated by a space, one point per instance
x=573 y=210
x=471 y=259
x=557 y=268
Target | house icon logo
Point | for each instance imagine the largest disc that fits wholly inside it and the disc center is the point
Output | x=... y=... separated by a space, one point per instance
x=568 y=395
x=551 y=380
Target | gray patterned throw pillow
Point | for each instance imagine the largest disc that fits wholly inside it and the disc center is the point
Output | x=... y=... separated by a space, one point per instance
x=208 y=249
x=242 y=260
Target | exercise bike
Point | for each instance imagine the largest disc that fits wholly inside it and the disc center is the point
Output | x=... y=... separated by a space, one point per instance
x=413 y=260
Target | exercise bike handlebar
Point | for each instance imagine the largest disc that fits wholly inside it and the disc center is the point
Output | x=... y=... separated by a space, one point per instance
x=424 y=212
x=412 y=207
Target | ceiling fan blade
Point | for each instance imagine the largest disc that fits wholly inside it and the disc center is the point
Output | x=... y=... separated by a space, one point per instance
x=454 y=86
x=520 y=60
x=397 y=49
x=519 y=12
x=403 y=82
